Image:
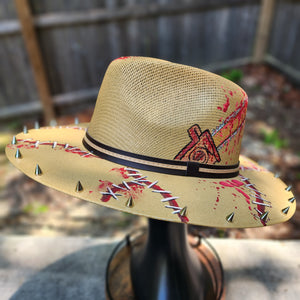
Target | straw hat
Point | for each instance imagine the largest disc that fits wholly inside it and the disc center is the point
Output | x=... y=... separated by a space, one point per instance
x=164 y=142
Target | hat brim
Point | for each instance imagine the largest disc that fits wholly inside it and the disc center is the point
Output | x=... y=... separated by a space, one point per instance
x=254 y=198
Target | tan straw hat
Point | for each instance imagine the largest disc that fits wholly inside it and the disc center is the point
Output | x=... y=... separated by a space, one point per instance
x=164 y=142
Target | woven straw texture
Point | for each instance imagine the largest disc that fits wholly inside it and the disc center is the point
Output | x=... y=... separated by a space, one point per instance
x=146 y=106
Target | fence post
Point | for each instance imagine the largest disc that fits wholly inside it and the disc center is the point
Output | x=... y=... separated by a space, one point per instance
x=263 y=30
x=35 y=58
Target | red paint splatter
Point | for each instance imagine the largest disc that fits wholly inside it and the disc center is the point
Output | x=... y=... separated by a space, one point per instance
x=230 y=92
x=244 y=194
x=226 y=105
x=104 y=184
x=121 y=171
x=122 y=57
x=236 y=183
x=231 y=183
x=90 y=192
x=219 y=108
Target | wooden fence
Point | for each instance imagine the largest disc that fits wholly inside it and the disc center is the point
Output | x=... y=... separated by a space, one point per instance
x=55 y=52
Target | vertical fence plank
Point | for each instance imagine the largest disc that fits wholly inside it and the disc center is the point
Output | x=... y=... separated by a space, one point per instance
x=35 y=57
x=263 y=30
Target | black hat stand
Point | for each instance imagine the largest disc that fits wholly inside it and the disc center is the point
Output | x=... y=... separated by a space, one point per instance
x=164 y=263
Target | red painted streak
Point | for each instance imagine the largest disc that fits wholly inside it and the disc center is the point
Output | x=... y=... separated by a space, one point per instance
x=172 y=202
x=226 y=105
x=59 y=146
x=136 y=189
x=261 y=208
x=139 y=188
x=233 y=122
x=231 y=183
x=122 y=57
x=244 y=194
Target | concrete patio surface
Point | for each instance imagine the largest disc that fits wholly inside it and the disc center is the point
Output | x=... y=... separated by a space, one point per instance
x=74 y=268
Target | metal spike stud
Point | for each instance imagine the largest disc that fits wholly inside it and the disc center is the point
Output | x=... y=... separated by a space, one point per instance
x=229 y=218
x=288 y=188
x=129 y=202
x=183 y=212
x=25 y=130
x=292 y=199
x=264 y=216
x=38 y=170
x=79 y=187
x=76 y=121
x=18 y=154
x=36 y=125
x=14 y=140
x=285 y=210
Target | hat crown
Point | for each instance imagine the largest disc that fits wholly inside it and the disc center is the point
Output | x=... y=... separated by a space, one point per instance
x=164 y=110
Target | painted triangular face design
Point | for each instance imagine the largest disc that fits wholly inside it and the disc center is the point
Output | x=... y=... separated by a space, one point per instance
x=202 y=147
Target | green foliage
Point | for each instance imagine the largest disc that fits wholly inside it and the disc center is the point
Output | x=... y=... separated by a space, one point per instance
x=234 y=75
x=221 y=233
x=4 y=140
x=272 y=138
x=35 y=208
x=298 y=176
x=14 y=126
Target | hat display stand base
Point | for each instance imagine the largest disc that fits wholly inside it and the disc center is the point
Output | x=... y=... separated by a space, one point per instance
x=164 y=263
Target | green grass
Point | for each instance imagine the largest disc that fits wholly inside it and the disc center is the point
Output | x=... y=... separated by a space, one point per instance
x=273 y=138
x=5 y=139
x=234 y=75
x=35 y=208
x=221 y=233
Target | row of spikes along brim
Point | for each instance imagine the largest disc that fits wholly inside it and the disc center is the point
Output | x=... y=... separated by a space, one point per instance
x=130 y=202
